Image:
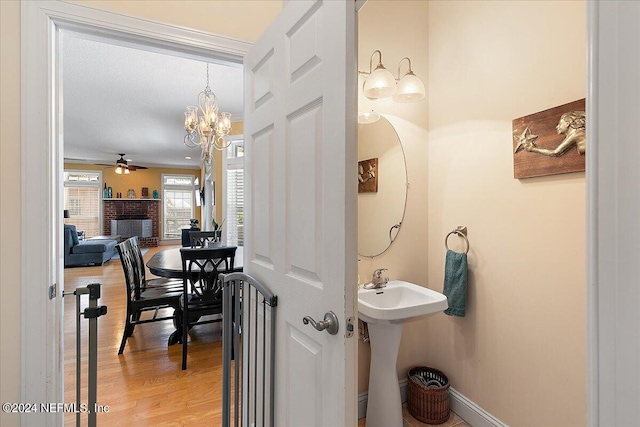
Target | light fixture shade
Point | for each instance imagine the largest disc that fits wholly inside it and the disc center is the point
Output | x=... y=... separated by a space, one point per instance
x=191 y=119
x=224 y=124
x=379 y=84
x=409 y=89
x=122 y=170
x=368 y=117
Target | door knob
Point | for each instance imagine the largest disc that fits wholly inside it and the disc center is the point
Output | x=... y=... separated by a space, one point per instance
x=330 y=323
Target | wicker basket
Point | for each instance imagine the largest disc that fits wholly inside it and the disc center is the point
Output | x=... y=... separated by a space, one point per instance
x=428 y=404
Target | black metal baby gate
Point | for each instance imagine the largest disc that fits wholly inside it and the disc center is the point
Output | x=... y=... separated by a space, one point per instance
x=92 y=313
x=248 y=345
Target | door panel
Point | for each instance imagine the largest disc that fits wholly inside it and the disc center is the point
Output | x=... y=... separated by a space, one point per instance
x=304 y=225
x=300 y=169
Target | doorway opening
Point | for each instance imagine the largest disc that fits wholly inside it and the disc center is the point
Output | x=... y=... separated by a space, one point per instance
x=141 y=380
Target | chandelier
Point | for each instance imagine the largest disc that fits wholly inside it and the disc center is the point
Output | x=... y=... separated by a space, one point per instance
x=205 y=127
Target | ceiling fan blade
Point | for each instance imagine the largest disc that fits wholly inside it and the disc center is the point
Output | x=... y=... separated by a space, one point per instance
x=135 y=167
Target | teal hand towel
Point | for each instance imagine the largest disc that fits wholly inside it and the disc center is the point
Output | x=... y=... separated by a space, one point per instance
x=455 y=283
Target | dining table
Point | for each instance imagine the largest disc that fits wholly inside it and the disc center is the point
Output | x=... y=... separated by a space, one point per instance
x=168 y=263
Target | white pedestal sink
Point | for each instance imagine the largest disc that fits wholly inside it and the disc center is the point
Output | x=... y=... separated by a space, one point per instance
x=385 y=310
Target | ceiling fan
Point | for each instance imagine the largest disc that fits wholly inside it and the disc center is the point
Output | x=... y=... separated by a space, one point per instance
x=122 y=165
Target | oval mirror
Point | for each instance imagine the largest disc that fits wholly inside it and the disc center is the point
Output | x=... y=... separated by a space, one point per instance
x=382 y=187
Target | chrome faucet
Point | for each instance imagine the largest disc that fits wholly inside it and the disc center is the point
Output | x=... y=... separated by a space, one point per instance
x=377 y=281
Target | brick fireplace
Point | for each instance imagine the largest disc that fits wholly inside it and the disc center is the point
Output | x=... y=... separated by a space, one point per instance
x=127 y=209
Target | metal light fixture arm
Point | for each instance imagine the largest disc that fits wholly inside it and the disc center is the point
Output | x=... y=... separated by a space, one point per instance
x=409 y=72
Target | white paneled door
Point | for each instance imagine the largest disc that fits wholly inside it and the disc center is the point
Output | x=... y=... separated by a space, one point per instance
x=300 y=216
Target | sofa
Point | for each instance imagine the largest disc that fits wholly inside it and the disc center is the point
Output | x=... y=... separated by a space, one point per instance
x=78 y=253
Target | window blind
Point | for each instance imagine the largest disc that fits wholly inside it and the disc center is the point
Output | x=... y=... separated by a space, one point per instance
x=178 y=204
x=235 y=206
x=82 y=197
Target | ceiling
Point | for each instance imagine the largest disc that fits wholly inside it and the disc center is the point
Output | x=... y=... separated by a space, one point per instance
x=122 y=100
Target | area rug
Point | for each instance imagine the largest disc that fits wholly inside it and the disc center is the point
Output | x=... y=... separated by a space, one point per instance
x=143 y=250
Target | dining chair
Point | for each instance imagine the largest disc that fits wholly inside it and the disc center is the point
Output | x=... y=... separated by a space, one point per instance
x=141 y=270
x=203 y=238
x=141 y=300
x=202 y=291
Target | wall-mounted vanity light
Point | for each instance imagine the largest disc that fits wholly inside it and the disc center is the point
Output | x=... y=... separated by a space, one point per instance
x=409 y=87
x=380 y=83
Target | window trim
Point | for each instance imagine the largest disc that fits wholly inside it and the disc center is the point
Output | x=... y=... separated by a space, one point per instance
x=98 y=185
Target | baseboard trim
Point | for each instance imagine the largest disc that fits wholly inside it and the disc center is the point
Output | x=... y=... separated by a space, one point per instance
x=473 y=414
x=470 y=412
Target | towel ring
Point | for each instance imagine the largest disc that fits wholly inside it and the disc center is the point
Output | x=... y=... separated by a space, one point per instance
x=462 y=232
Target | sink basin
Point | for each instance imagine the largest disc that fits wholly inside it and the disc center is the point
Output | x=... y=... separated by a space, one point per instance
x=385 y=310
x=399 y=301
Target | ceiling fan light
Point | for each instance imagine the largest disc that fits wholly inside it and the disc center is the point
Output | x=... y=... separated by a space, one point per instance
x=410 y=89
x=379 y=84
x=119 y=169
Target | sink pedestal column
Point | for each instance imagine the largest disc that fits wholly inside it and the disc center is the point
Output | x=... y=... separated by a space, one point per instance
x=384 y=406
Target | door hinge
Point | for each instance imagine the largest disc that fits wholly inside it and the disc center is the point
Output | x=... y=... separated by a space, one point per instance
x=53 y=291
x=350 y=327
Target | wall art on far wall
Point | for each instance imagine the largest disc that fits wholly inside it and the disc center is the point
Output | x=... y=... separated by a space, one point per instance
x=368 y=176
x=550 y=142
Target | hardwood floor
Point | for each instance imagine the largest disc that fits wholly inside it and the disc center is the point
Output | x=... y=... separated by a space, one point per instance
x=145 y=385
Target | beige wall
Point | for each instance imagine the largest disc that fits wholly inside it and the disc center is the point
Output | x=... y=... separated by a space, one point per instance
x=520 y=352
x=243 y=20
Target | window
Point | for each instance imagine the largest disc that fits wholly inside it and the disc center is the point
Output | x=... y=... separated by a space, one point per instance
x=233 y=189
x=82 y=197
x=178 y=204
